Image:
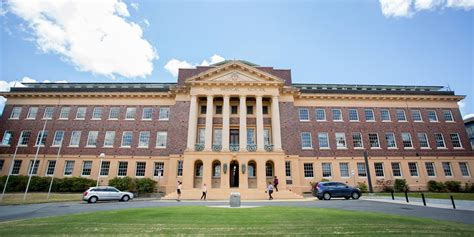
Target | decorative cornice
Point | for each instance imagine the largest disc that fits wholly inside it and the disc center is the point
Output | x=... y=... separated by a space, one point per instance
x=87 y=95
x=381 y=97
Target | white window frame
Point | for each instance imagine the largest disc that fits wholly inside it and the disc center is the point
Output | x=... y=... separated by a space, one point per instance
x=409 y=140
x=49 y=167
x=458 y=140
x=354 y=140
x=325 y=170
x=404 y=115
x=433 y=167
x=326 y=136
x=88 y=162
x=144 y=135
x=7 y=141
x=92 y=138
x=435 y=116
x=120 y=168
x=164 y=114
x=306 y=170
x=300 y=115
x=78 y=138
x=442 y=138
x=450 y=114
x=64 y=113
x=399 y=169
x=157 y=167
x=341 y=137
x=340 y=113
x=97 y=111
x=124 y=134
x=415 y=170
x=23 y=137
x=137 y=167
x=129 y=112
x=16 y=113
x=69 y=165
x=388 y=113
x=162 y=134
x=450 y=169
x=31 y=111
x=303 y=143
x=109 y=135
x=114 y=111
x=373 y=115
x=378 y=141
x=466 y=166
x=55 y=141
x=356 y=114
x=323 y=113
x=394 y=140
x=420 y=140
x=81 y=110
x=48 y=113
x=375 y=169
x=341 y=170
x=417 y=111
x=145 y=111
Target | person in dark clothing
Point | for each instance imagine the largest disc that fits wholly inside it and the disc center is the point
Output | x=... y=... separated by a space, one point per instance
x=275 y=183
x=204 y=192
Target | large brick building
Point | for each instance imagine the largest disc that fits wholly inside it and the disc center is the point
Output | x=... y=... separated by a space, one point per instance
x=235 y=125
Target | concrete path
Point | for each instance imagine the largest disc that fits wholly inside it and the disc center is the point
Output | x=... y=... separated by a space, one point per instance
x=18 y=212
x=430 y=202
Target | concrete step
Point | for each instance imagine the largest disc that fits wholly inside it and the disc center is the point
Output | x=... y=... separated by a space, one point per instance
x=224 y=194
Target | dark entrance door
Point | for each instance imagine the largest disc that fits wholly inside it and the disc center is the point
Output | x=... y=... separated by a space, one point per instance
x=234 y=174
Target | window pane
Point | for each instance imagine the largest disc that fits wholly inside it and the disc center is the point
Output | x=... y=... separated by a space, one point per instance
x=114 y=113
x=130 y=114
x=147 y=113
x=161 y=138
x=463 y=166
x=353 y=115
x=439 y=140
x=369 y=115
x=7 y=138
x=127 y=139
x=341 y=140
x=75 y=138
x=455 y=140
x=304 y=114
x=320 y=115
x=159 y=169
x=288 y=168
x=122 y=170
x=323 y=140
x=81 y=112
x=144 y=139
x=69 y=167
x=416 y=115
x=97 y=113
x=336 y=115
x=385 y=115
x=92 y=139
x=361 y=170
x=432 y=117
x=308 y=170
x=357 y=140
x=25 y=137
x=140 y=169
x=164 y=113
x=401 y=115
x=447 y=169
x=64 y=114
x=32 y=112
x=86 y=167
x=423 y=139
x=109 y=139
x=374 y=140
x=430 y=169
x=379 y=169
x=306 y=140
x=448 y=116
x=406 y=138
x=413 y=167
x=344 y=169
x=104 y=169
x=396 y=169
x=16 y=111
x=48 y=113
x=390 y=137
x=326 y=169
x=58 y=138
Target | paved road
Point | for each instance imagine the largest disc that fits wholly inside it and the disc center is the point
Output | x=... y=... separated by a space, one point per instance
x=18 y=212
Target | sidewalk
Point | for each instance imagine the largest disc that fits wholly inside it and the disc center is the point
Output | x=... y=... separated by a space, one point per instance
x=430 y=202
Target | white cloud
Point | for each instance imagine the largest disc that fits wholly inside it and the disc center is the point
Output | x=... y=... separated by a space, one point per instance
x=467 y=116
x=61 y=81
x=134 y=5
x=94 y=36
x=174 y=65
x=407 y=8
x=146 y=22
x=28 y=80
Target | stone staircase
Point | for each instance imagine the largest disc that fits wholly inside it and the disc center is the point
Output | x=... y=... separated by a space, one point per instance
x=224 y=194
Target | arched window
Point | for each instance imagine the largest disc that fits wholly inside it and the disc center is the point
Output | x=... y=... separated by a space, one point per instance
x=198 y=168
x=269 y=169
x=216 y=169
x=252 y=169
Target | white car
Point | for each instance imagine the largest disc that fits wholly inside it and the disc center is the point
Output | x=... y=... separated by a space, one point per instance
x=104 y=193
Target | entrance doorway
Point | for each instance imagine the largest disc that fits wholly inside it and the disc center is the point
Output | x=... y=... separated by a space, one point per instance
x=234 y=174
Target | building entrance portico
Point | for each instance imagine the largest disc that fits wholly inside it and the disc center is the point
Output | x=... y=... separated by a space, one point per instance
x=234 y=174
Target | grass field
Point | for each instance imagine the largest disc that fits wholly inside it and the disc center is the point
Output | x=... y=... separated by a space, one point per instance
x=17 y=198
x=456 y=196
x=205 y=221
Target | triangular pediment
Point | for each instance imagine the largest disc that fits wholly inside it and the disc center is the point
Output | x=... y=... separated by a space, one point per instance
x=234 y=72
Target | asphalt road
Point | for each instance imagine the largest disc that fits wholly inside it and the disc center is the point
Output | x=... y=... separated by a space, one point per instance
x=19 y=212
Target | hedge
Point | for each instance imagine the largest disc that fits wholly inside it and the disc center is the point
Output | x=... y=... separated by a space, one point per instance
x=17 y=183
x=140 y=185
x=400 y=185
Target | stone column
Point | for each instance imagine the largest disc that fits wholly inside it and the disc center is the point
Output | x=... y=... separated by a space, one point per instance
x=226 y=123
x=243 y=123
x=260 y=142
x=192 y=123
x=209 y=115
x=276 y=132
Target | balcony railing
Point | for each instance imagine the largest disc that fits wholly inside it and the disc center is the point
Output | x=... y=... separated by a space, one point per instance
x=216 y=147
x=234 y=147
x=252 y=147
x=269 y=147
x=198 y=147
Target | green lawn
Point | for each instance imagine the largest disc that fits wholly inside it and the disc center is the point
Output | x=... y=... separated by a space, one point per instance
x=222 y=221
x=456 y=196
x=17 y=198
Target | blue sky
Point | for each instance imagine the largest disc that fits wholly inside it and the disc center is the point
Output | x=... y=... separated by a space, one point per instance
x=361 y=42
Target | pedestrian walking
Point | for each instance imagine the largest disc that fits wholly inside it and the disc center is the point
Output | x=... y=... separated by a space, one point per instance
x=204 y=192
x=275 y=183
x=178 y=190
x=270 y=190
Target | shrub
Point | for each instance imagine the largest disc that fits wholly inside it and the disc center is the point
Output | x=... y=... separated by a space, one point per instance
x=400 y=185
x=469 y=188
x=363 y=187
x=146 y=185
x=434 y=186
x=453 y=186
x=18 y=183
x=385 y=185
x=324 y=180
x=124 y=184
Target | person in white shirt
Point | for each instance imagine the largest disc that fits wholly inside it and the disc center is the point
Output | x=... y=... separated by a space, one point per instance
x=270 y=190
x=179 y=191
x=204 y=192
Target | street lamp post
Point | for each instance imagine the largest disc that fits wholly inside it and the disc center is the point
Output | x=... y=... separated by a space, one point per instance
x=101 y=156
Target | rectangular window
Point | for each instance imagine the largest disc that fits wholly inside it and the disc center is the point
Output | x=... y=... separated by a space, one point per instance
x=379 y=169
x=159 y=169
x=24 y=137
x=164 y=114
x=341 y=140
x=147 y=113
x=201 y=136
x=250 y=136
x=16 y=111
x=203 y=109
x=122 y=169
x=130 y=114
x=33 y=169
x=219 y=109
x=416 y=116
x=463 y=166
x=114 y=113
x=2 y=162
x=385 y=115
x=16 y=167
x=413 y=167
x=439 y=140
x=180 y=168
x=288 y=168
x=447 y=169
x=357 y=140
x=144 y=139
x=448 y=116
x=308 y=170
x=217 y=136
x=140 y=169
x=374 y=140
x=344 y=169
x=353 y=115
x=81 y=113
x=423 y=139
x=455 y=140
x=41 y=138
x=58 y=138
x=64 y=114
x=32 y=112
x=401 y=117
x=109 y=139
x=306 y=142
x=7 y=138
x=86 y=168
x=265 y=109
x=304 y=114
x=69 y=167
x=75 y=138
x=369 y=115
x=127 y=138
x=323 y=140
x=361 y=169
x=432 y=116
x=397 y=172
x=327 y=172
x=406 y=138
x=234 y=109
x=430 y=169
x=51 y=167
x=391 y=142
x=104 y=168
x=249 y=109
x=266 y=136
x=97 y=113
x=48 y=113
x=161 y=139
x=320 y=115
x=92 y=139
x=336 y=115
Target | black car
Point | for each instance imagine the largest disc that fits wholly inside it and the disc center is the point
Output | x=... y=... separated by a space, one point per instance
x=327 y=190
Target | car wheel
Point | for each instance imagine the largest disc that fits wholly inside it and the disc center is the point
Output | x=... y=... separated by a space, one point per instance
x=327 y=196
x=347 y=197
x=355 y=195
x=125 y=198
x=93 y=199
